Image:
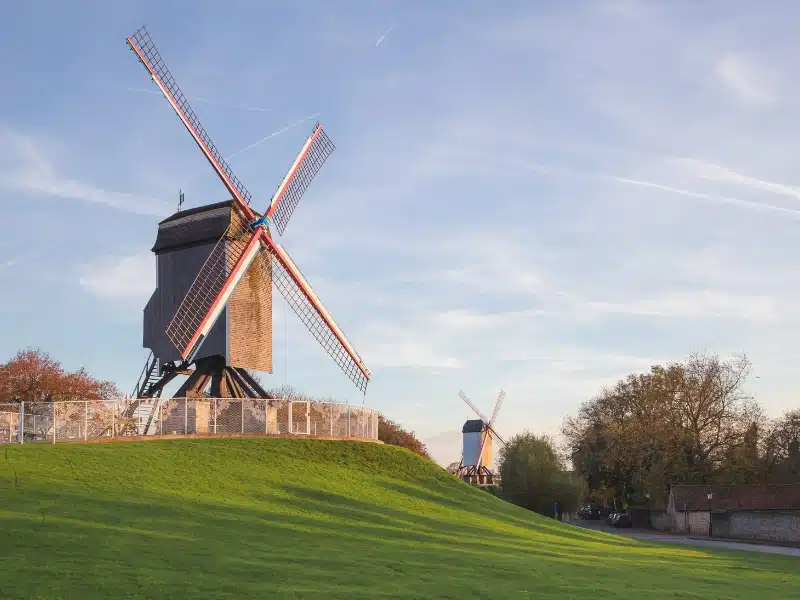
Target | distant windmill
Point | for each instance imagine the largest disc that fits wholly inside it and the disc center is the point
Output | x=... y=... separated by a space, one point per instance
x=477 y=435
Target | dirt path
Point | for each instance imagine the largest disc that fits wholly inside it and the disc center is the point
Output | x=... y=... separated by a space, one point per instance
x=670 y=538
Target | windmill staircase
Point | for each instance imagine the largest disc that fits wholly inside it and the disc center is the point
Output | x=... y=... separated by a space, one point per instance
x=148 y=397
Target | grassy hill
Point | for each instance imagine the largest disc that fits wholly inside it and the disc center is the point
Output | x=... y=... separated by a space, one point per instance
x=276 y=518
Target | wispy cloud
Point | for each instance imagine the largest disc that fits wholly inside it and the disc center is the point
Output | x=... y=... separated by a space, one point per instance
x=25 y=168
x=563 y=171
x=763 y=206
x=128 y=280
x=755 y=85
x=713 y=172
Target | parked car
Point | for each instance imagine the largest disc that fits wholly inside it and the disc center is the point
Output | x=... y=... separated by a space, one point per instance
x=593 y=511
x=622 y=520
x=610 y=518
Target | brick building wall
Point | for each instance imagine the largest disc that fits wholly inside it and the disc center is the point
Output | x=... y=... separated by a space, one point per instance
x=250 y=315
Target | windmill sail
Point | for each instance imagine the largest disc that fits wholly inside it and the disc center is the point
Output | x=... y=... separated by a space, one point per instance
x=317 y=148
x=143 y=46
x=306 y=305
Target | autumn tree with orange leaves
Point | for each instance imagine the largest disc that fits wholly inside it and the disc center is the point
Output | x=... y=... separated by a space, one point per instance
x=32 y=375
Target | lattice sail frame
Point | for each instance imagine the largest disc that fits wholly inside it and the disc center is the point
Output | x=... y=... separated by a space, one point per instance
x=236 y=250
x=489 y=423
x=207 y=288
x=316 y=150
x=143 y=46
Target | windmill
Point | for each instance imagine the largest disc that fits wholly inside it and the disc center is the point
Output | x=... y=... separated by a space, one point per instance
x=478 y=435
x=210 y=317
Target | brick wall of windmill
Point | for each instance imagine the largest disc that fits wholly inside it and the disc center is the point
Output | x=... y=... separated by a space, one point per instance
x=250 y=318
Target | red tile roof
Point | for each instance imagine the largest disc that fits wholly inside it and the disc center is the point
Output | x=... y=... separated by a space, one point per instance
x=737 y=497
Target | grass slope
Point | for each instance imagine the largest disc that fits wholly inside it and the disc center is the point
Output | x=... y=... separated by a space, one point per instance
x=276 y=518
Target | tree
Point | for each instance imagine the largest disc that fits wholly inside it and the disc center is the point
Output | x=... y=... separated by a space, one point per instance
x=533 y=476
x=32 y=375
x=391 y=433
x=686 y=422
x=781 y=449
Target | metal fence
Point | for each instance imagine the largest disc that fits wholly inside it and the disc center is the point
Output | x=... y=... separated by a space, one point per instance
x=24 y=422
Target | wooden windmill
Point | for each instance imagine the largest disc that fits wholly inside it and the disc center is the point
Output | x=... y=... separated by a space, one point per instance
x=210 y=316
x=478 y=435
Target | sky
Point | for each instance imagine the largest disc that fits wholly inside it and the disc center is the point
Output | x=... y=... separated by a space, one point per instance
x=539 y=197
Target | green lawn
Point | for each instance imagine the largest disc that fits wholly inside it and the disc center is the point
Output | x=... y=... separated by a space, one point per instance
x=276 y=518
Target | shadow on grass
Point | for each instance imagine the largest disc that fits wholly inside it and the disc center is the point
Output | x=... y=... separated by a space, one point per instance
x=66 y=543
x=272 y=520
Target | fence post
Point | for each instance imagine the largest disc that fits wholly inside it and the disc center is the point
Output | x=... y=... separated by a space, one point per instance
x=308 y=417
x=289 y=419
x=348 y=420
x=185 y=416
x=86 y=420
x=331 y=417
x=53 y=404
x=114 y=418
x=215 y=416
x=21 y=423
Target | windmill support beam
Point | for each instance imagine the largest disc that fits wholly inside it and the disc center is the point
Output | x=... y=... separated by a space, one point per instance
x=225 y=381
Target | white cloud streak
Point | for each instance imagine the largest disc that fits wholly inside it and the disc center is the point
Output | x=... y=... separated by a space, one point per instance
x=26 y=169
x=754 y=84
x=561 y=171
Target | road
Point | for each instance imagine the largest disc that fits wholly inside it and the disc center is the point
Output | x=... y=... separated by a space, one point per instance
x=671 y=538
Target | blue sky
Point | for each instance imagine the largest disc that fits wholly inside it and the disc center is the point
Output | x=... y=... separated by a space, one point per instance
x=541 y=197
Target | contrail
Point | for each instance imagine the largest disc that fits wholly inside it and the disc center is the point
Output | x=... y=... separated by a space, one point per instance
x=283 y=129
x=554 y=171
x=383 y=37
x=703 y=196
x=272 y=135
x=206 y=100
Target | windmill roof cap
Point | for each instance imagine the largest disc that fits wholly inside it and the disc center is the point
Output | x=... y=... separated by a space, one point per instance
x=196 y=210
x=194 y=226
x=473 y=426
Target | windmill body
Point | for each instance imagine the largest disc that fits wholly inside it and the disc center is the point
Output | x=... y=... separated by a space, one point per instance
x=475 y=436
x=242 y=335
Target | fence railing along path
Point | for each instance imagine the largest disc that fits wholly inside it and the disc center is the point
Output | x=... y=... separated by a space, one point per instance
x=74 y=420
